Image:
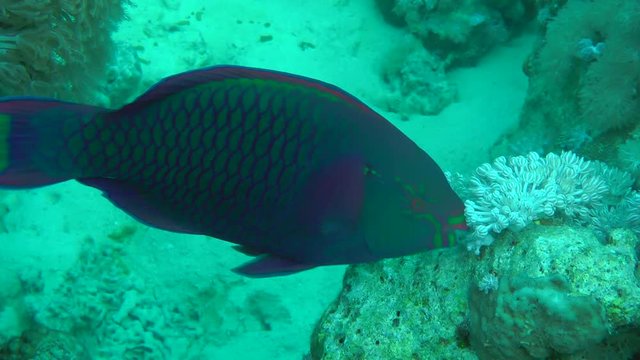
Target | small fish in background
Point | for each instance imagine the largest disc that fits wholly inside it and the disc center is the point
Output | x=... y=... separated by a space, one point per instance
x=295 y=171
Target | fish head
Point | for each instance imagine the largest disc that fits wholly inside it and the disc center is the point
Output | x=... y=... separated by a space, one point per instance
x=441 y=207
x=401 y=218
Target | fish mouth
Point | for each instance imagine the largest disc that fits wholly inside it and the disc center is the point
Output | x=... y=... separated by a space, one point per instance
x=461 y=227
x=458 y=222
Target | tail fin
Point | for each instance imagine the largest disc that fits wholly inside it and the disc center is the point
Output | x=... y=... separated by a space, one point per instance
x=32 y=140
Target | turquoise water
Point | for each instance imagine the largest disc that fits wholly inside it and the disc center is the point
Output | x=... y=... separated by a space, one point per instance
x=543 y=93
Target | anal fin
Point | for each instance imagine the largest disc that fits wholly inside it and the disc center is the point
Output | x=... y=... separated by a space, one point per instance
x=269 y=266
x=247 y=250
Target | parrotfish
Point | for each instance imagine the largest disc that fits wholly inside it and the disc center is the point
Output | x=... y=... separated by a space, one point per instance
x=295 y=171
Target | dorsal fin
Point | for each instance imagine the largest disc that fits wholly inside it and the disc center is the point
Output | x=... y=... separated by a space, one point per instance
x=182 y=81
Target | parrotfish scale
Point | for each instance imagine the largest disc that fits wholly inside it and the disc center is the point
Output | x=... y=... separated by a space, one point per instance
x=249 y=98
x=233 y=97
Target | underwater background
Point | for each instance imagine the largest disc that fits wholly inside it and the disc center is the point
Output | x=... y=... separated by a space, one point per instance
x=532 y=107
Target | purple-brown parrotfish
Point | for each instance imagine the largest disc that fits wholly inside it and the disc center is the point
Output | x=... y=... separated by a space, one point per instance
x=294 y=170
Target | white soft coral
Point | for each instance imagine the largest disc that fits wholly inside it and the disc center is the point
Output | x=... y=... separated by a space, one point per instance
x=513 y=192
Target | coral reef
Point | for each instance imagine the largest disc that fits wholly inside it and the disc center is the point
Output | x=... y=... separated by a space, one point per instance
x=541 y=314
x=445 y=34
x=574 y=297
x=559 y=281
x=56 y=48
x=608 y=81
x=102 y=308
x=512 y=193
x=584 y=78
x=407 y=308
x=460 y=32
x=572 y=294
x=43 y=344
x=516 y=191
x=417 y=82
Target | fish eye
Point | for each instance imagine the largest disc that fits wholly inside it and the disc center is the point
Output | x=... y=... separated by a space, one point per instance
x=370 y=170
